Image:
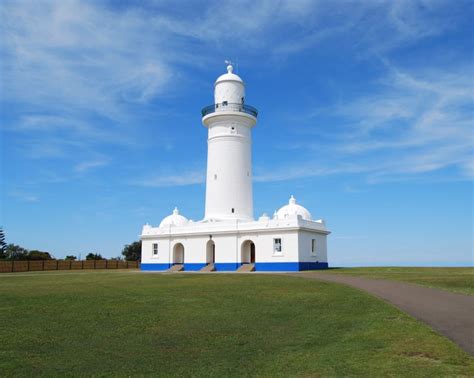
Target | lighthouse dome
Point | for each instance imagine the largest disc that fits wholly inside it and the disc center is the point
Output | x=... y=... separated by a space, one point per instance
x=174 y=219
x=229 y=76
x=229 y=90
x=293 y=209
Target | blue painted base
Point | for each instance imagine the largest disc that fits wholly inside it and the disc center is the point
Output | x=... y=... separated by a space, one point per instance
x=230 y=267
x=153 y=267
x=226 y=267
x=289 y=266
x=193 y=267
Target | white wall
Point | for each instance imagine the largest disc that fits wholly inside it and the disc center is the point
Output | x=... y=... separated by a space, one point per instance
x=304 y=245
x=228 y=247
x=229 y=175
x=230 y=91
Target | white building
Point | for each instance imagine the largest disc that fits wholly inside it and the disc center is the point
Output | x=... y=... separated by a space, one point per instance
x=229 y=238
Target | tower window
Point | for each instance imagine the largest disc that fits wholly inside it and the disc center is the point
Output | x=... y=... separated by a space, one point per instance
x=277 y=245
x=155 y=249
x=224 y=103
x=233 y=128
x=242 y=100
x=215 y=177
x=233 y=210
x=313 y=246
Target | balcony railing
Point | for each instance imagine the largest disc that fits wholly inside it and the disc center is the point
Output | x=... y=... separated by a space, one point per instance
x=230 y=108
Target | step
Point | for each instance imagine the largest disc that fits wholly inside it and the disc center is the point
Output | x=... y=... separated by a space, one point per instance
x=246 y=268
x=208 y=268
x=176 y=268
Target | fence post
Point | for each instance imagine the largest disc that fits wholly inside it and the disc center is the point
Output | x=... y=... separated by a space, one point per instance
x=28 y=265
x=82 y=264
x=42 y=265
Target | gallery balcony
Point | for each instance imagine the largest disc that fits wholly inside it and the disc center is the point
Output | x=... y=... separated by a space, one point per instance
x=229 y=108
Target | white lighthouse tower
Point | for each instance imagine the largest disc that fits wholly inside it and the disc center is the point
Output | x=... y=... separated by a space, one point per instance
x=229 y=238
x=229 y=157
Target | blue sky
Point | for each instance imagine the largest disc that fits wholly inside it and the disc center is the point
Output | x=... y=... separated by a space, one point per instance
x=366 y=116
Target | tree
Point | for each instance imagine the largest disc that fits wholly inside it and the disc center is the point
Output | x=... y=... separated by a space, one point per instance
x=94 y=256
x=3 y=244
x=133 y=252
x=118 y=258
x=39 y=255
x=15 y=252
x=70 y=257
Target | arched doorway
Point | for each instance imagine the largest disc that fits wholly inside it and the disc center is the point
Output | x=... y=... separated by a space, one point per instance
x=248 y=252
x=178 y=253
x=210 y=252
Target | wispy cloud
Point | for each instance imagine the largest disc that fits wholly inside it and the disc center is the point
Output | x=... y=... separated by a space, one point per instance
x=69 y=54
x=78 y=56
x=414 y=124
x=90 y=164
x=23 y=196
x=370 y=27
x=308 y=169
x=81 y=73
x=184 y=179
x=90 y=57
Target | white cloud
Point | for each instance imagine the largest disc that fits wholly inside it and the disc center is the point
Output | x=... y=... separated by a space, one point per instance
x=415 y=125
x=23 y=196
x=70 y=54
x=372 y=27
x=305 y=170
x=69 y=62
x=90 y=164
x=75 y=73
x=184 y=179
x=87 y=56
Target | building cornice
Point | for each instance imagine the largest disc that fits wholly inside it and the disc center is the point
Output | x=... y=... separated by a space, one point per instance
x=232 y=229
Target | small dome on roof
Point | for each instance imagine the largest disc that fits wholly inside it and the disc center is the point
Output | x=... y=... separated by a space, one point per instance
x=293 y=209
x=229 y=76
x=174 y=219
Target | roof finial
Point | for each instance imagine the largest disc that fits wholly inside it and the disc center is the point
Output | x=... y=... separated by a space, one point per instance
x=176 y=211
x=230 y=67
x=292 y=200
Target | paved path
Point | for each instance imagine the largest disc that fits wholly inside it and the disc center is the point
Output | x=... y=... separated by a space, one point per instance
x=450 y=314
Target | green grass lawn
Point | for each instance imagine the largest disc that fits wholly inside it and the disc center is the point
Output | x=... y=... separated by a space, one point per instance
x=458 y=280
x=130 y=323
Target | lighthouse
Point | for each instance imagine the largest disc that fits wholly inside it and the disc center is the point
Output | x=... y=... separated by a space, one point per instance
x=229 y=238
x=229 y=156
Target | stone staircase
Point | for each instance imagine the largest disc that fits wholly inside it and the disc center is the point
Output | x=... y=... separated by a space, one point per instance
x=176 y=268
x=246 y=268
x=208 y=268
